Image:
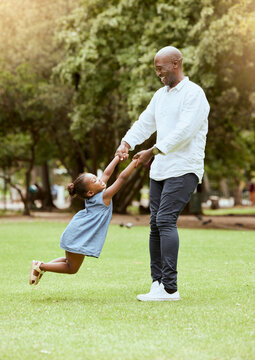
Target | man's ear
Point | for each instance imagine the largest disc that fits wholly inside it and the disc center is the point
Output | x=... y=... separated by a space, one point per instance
x=89 y=193
x=175 y=64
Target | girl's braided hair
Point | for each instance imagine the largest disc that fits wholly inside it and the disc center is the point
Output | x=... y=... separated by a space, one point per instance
x=78 y=187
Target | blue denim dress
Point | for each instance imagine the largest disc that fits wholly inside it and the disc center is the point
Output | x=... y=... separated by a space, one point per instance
x=86 y=232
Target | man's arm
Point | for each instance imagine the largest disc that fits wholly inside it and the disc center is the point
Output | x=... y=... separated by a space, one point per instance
x=109 y=169
x=141 y=130
x=194 y=113
x=115 y=187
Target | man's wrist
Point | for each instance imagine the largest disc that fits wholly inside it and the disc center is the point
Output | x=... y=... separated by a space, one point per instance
x=155 y=150
x=125 y=144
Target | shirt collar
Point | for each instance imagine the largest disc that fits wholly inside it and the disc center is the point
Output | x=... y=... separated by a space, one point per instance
x=179 y=85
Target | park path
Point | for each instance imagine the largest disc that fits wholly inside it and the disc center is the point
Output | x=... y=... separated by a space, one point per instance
x=185 y=221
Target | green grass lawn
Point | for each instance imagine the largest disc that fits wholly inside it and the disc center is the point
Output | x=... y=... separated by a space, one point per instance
x=245 y=210
x=94 y=314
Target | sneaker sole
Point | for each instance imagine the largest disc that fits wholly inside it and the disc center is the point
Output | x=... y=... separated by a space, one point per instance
x=158 y=299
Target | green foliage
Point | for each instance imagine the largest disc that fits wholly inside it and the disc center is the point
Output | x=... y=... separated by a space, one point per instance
x=109 y=58
x=26 y=33
x=29 y=113
x=14 y=147
x=224 y=66
x=104 y=55
x=22 y=114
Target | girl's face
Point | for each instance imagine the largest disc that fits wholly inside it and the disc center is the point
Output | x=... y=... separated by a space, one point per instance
x=94 y=184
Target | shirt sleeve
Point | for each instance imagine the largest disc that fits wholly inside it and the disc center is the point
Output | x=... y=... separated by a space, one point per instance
x=195 y=111
x=144 y=127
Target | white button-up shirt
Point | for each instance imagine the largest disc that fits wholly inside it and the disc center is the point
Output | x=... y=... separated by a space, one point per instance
x=180 y=117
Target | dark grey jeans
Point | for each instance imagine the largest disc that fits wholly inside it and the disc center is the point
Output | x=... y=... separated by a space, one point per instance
x=167 y=200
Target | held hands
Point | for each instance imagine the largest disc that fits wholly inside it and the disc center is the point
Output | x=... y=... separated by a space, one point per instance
x=122 y=151
x=143 y=157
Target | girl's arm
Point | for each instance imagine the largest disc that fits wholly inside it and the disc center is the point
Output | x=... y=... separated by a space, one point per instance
x=115 y=187
x=109 y=169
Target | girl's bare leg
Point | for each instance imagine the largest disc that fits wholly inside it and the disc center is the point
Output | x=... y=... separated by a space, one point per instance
x=68 y=265
x=61 y=259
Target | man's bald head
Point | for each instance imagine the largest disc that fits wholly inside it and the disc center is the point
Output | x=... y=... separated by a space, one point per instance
x=170 y=52
x=168 y=65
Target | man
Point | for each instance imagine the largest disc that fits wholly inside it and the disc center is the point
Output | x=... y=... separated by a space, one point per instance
x=179 y=113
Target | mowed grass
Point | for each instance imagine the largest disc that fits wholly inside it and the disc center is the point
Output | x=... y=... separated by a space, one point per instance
x=94 y=314
x=243 y=211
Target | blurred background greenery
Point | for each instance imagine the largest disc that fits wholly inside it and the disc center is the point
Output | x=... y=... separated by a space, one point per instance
x=74 y=75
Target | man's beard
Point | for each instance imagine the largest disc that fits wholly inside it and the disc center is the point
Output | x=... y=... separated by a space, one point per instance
x=172 y=80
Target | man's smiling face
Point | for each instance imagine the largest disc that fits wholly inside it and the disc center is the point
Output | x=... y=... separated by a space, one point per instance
x=165 y=70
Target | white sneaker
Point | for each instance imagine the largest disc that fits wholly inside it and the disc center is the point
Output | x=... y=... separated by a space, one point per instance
x=154 y=289
x=159 y=294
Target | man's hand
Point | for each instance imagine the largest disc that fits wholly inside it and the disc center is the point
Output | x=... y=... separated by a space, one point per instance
x=143 y=157
x=122 y=151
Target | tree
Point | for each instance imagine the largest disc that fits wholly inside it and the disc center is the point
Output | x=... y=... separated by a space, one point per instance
x=223 y=64
x=23 y=125
x=107 y=51
x=109 y=60
x=27 y=30
x=27 y=54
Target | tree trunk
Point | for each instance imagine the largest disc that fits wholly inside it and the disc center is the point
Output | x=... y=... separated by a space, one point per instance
x=224 y=188
x=23 y=198
x=4 y=194
x=132 y=187
x=206 y=188
x=26 y=197
x=47 y=201
x=237 y=192
x=95 y=153
x=77 y=203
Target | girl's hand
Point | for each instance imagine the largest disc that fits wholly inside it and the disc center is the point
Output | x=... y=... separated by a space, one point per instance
x=121 y=158
x=122 y=151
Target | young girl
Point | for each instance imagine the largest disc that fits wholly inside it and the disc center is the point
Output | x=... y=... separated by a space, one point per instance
x=86 y=233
